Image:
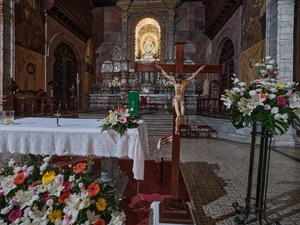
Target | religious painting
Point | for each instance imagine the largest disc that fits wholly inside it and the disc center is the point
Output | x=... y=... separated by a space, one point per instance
x=249 y=57
x=147 y=41
x=30 y=25
x=253 y=22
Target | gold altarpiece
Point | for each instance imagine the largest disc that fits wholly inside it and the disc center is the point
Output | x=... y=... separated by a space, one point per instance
x=148 y=35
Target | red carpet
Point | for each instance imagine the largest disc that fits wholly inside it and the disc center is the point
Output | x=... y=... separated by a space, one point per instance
x=139 y=195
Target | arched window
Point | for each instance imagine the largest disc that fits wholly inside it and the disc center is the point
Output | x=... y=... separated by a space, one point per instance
x=65 y=70
x=226 y=58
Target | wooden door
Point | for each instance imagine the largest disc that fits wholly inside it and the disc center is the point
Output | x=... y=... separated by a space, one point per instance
x=65 y=70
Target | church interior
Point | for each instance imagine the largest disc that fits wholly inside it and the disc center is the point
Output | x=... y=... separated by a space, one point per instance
x=66 y=59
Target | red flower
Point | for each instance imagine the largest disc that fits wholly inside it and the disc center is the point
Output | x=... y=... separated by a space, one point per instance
x=20 y=178
x=67 y=186
x=263 y=95
x=79 y=168
x=120 y=110
x=62 y=198
x=45 y=196
x=99 y=222
x=281 y=100
x=93 y=189
x=15 y=214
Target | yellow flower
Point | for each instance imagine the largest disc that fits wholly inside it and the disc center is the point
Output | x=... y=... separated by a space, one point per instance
x=56 y=214
x=280 y=86
x=48 y=177
x=101 y=204
x=108 y=117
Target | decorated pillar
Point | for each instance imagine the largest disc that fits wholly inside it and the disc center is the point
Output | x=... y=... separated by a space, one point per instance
x=123 y=6
x=170 y=37
x=7 y=26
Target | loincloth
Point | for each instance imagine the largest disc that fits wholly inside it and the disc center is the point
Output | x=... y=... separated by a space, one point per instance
x=179 y=100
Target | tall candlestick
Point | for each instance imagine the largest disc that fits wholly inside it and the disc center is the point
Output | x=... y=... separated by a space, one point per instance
x=57 y=118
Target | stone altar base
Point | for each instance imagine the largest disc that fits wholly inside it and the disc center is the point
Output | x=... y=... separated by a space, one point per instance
x=111 y=174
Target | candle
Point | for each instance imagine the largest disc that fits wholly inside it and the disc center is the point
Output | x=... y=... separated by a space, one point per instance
x=77 y=76
x=7 y=121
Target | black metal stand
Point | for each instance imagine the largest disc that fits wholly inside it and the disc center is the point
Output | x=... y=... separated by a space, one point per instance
x=257 y=205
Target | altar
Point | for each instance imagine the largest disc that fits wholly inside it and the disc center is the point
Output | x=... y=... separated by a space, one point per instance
x=80 y=137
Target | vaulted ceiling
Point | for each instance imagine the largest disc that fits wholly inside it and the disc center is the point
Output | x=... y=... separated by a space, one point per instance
x=104 y=3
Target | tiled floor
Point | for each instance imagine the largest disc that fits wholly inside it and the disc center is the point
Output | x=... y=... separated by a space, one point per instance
x=224 y=177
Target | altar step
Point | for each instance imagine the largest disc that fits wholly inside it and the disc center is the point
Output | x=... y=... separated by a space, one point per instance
x=158 y=123
x=161 y=125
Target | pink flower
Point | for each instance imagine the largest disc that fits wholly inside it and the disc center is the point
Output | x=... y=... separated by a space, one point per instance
x=59 y=179
x=29 y=171
x=257 y=81
x=263 y=72
x=45 y=196
x=34 y=185
x=15 y=214
x=123 y=119
x=1 y=192
x=267 y=107
x=281 y=100
x=67 y=186
x=68 y=219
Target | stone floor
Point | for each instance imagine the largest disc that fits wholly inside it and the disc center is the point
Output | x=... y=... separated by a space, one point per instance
x=229 y=162
x=224 y=168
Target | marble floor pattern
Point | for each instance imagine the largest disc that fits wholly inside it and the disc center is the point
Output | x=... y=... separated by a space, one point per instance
x=222 y=177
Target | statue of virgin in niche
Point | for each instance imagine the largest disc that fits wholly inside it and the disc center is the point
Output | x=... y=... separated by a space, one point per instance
x=149 y=49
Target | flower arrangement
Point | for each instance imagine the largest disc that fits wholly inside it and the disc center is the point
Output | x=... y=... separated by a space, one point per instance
x=119 y=120
x=274 y=105
x=49 y=194
x=169 y=84
x=115 y=83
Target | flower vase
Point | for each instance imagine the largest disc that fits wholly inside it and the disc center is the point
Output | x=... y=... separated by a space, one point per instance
x=257 y=205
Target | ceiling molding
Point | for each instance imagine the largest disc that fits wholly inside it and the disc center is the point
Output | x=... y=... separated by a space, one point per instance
x=78 y=22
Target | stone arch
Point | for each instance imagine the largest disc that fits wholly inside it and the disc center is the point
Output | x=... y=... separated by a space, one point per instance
x=226 y=55
x=132 y=23
x=225 y=36
x=65 y=38
x=79 y=52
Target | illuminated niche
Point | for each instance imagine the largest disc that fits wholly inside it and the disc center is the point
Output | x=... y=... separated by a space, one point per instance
x=147 y=40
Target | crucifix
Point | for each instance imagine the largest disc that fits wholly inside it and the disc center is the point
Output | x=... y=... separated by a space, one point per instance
x=172 y=209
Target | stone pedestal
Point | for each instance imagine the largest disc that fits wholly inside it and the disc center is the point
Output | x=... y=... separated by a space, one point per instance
x=111 y=174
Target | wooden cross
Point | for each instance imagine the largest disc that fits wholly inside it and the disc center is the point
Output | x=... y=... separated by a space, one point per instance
x=171 y=209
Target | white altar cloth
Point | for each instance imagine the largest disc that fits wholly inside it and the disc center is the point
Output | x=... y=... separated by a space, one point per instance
x=81 y=137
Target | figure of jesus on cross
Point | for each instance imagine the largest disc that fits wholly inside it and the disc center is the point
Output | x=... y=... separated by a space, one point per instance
x=179 y=89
